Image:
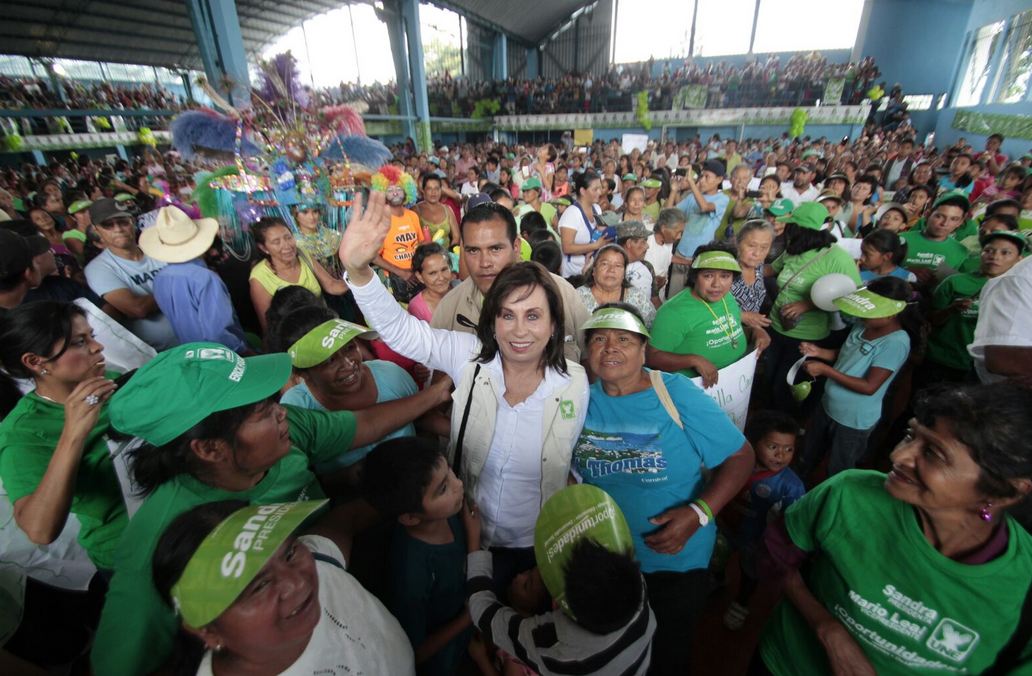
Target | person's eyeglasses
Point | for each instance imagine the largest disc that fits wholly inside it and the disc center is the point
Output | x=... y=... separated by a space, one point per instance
x=116 y=223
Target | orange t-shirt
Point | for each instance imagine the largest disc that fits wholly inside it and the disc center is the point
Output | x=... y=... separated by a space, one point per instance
x=401 y=241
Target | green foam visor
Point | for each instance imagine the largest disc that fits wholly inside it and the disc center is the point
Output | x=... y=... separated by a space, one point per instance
x=78 y=205
x=868 y=305
x=325 y=340
x=232 y=555
x=614 y=318
x=716 y=260
x=576 y=512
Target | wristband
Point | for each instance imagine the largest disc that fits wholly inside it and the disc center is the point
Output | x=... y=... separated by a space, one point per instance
x=706 y=508
x=703 y=519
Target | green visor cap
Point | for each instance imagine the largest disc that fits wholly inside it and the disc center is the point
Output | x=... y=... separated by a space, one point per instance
x=715 y=260
x=532 y=183
x=809 y=215
x=628 y=177
x=124 y=197
x=576 y=512
x=561 y=202
x=184 y=385
x=324 y=341
x=1016 y=236
x=652 y=183
x=953 y=195
x=868 y=305
x=232 y=555
x=614 y=318
x=781 y=207
x=78 y=205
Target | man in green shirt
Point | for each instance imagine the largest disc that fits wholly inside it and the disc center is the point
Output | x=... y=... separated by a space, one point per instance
x=935 y=246
x=217 y=434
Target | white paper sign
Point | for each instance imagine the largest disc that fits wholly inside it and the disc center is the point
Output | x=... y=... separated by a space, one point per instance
x=632 y=141
x=734 y=385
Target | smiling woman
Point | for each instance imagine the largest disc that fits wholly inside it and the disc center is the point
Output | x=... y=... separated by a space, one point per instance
x=943 y=512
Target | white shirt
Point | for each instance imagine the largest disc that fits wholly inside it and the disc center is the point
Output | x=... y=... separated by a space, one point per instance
x=789 y=192
x=660 y=255
x=355 y=634
x=573 y=219
x=469 y=188
x=1004 y=316
x=509 y=485
x=640 y=277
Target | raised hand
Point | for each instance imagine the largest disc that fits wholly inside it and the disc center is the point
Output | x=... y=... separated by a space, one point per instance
x=364 y=235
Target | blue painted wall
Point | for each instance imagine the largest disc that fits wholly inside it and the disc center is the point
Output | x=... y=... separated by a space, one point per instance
x=916 y=43
x=985 y=12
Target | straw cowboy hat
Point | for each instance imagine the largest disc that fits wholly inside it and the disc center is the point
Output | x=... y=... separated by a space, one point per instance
x=176 y=238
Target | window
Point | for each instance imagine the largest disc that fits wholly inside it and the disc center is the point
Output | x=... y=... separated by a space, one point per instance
x=804 y=25
x=918 y=101
x=723 y=27
x=442 y=48
x=1017 y=60
x=652 y=29
x=977 y=63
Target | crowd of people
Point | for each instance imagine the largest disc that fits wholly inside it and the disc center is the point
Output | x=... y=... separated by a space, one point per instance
x=342 y=455
x=27 y=93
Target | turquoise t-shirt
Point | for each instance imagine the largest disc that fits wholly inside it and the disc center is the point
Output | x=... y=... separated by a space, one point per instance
x=909 y=608
x=855 y=358
x=631 y=448
x=392 y=382
x=700 y=228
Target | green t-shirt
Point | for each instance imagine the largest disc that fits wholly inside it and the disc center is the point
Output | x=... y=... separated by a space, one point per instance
x=652 y=211
x=796 y=275
x=947 y=344
x=924 y=253
x=136 y=627
x=686 y=324
x=729 y=219
x=911 y=609
x=971 y=264
x=28 y=437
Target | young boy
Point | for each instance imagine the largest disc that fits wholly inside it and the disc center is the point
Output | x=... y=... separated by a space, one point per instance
x=605 y=592
x=772 y=486
x=408 y=479
x=934 y=246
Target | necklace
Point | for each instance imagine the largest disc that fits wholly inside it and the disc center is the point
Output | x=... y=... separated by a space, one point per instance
x=727 y=315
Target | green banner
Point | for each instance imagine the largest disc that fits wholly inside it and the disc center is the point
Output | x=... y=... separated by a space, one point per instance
x=1011 y=126
x=833 y=91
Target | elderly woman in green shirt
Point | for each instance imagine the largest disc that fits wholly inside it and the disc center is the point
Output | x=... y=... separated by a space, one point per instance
x=699 y=331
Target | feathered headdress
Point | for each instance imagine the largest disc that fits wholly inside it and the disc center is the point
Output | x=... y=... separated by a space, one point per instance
x=285 y=151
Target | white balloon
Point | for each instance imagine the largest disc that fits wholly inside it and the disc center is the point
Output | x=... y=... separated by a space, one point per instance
x=829 y=287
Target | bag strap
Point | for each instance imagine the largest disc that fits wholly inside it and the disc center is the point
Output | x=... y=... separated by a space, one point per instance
x=1007 y=659
x=457 y=460
x=326 y=558
x=664 y=396
x=805 y=265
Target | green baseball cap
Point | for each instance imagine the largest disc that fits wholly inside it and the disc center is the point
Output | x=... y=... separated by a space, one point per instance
x=951 y=195
x=781 y=207
x=628 y=177
x=124 y=197
x=232 y=555
x=325 y=340
x=715 y=260
x=532 y=183
x=1016 y=236
x=809 y=215
x=576 y=512
x=652 y=183
x=78 y=205
x=614 y=318
x=184 y=385
x=869 y=305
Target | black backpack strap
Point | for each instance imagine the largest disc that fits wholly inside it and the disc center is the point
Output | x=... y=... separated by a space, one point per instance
x=457 y=460
x=328 y=559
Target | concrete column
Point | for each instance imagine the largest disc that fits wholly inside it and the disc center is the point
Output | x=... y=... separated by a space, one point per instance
x=55 y=81
x=399 y=50
x=221 y=45
x=533 y=63
x=414 y=40
x=500 y=57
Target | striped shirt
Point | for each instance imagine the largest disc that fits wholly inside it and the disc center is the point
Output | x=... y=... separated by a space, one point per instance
x=552 y=643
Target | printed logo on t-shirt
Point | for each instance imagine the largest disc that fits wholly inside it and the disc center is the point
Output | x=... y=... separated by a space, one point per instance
x=926 y=259
x=600 y=454
x=953 y=640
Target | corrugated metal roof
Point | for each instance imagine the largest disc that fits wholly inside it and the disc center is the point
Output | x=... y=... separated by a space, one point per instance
x=529 y=22
x=149 y=32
